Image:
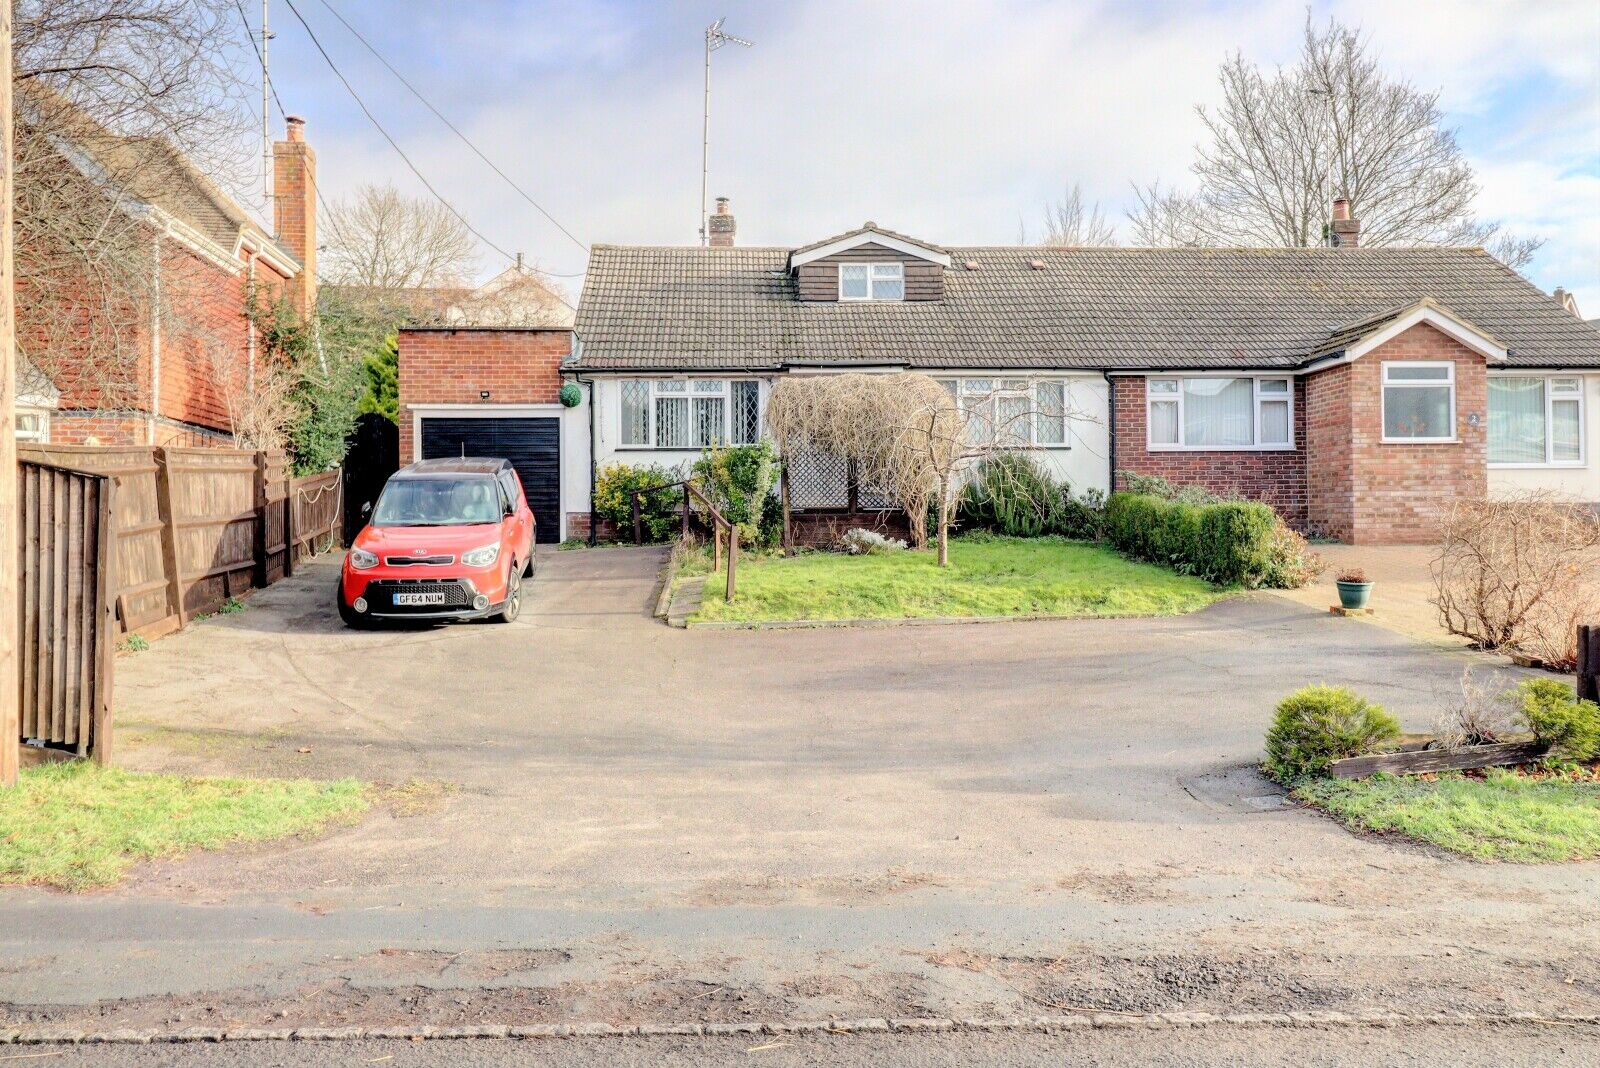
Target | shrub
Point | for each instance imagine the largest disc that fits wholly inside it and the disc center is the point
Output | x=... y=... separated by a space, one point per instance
x=658 y=511
x=1231 y=543
x=738 y=480
x=1519 y=573
x=770 y=531
x=1081 y=518
x=1012 y=494
x=1317 y=725
x=1291 y=562
x=1570 y=727
x=859 y=541
x=1351 y=574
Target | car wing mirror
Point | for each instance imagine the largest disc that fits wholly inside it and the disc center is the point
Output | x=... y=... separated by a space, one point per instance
x=366 y=507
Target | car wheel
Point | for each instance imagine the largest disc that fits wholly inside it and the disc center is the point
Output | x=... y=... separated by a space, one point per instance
x=513 y=605
x=352 y=619
x=527 y=568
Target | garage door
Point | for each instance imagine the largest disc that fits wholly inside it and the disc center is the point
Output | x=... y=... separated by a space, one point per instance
x=532 y=445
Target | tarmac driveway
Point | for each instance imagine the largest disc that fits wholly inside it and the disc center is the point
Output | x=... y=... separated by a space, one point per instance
x=649 y=823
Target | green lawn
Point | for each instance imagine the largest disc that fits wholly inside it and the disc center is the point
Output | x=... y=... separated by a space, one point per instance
x=993 y=577
x=1500 y=817
x=77 y=826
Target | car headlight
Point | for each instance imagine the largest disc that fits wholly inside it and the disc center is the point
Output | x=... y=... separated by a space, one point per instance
x=360 y=559
x=483 y=557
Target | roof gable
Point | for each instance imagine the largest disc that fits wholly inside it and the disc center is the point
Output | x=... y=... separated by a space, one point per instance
x=1352 y=342
x=868 y=234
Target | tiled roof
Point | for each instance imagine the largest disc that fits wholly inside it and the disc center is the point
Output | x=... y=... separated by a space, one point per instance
x=1087 y=307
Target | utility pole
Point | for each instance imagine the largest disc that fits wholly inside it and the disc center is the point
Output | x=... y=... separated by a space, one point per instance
x=715 y=39
x=10 y=683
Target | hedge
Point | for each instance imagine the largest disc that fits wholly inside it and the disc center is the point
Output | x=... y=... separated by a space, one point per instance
x=1229 y=543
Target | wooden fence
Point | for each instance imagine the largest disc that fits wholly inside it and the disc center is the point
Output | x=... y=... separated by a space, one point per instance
x=66 y=609
x=193 y=527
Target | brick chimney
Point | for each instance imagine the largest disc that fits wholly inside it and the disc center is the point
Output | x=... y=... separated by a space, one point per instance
x=294 y=211
x=1343 y=232
x=721 y=226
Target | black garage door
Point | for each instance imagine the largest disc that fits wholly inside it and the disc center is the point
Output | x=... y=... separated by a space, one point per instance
x=532 y=445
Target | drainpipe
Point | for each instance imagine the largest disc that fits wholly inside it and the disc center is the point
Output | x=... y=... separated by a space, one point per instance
x=594 y=517
x=1111 y=432
x=155 y=340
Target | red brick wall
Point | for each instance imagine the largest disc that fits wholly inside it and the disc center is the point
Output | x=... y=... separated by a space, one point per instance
x=1330 y=477
x=455 y=366
x=294 y=208
x=1277 y=478
x=1398 y=491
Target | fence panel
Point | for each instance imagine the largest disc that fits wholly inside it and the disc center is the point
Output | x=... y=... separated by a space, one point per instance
x=66 y=612
x=195 y=526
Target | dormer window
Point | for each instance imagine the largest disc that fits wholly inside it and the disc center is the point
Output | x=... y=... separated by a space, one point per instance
x=872 y=281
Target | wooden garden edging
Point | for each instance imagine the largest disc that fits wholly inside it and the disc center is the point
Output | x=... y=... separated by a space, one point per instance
x=65 y=622
x=1417 y=761
x=193 y=527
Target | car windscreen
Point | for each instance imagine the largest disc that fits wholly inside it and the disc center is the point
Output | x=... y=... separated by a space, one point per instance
x=437 y=502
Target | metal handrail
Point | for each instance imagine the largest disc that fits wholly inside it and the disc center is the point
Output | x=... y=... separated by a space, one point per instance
x=719 y=523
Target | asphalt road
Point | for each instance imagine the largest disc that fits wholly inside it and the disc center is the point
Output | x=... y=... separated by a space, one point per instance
x=650 y=825
x=1505 y=1047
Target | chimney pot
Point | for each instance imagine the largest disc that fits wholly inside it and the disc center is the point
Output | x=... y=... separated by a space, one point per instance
x=721 y=227
x=296 y=127
x=1343 y=231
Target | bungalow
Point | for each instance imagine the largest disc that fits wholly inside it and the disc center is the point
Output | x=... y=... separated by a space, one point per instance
x=1356 y=390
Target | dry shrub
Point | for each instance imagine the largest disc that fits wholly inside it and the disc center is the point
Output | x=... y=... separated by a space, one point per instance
x=903 y=431
x=1519 y=573
x=1481 y=712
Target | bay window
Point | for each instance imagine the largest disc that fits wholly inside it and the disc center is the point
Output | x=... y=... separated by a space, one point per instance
x=1419 y=402
x=1535 y=421
x=685 y=413
x=1216 y=412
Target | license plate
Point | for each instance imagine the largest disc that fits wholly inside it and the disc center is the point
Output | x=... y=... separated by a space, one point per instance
x=419 y=598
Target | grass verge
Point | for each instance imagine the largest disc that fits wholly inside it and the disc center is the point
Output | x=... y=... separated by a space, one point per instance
x=1497 y=816
x=992 y=577
x=78 y=826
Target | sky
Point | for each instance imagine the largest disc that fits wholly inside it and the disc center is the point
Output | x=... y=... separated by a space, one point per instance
x=954 y=121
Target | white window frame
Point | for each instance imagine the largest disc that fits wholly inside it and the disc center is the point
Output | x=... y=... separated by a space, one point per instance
x=1550 y=397
x=692 y=388
x=1384 y=386
x=959 y=390
x=898 y=272
x=40 y=436
x=1257 y=398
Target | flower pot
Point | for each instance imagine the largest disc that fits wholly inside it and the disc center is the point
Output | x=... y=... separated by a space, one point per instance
x=1354 y=594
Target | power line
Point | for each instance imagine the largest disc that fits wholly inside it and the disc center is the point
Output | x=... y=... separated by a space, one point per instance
x=462 y=219
x=453 y=128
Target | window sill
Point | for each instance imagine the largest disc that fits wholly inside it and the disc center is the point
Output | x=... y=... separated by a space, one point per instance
x=1419 y=441
x=1220 y=448
x=1570 y=465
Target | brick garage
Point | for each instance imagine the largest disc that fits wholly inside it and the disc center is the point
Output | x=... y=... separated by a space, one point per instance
x=498 y=390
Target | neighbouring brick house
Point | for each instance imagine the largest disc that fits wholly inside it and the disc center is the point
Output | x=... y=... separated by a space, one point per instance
x=191 y=340
x=1357 y=390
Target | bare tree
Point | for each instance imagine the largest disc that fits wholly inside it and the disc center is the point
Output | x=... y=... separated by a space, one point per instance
x=111 y=96
x=1284 y=143
x=379 y=239
x=1071 y=222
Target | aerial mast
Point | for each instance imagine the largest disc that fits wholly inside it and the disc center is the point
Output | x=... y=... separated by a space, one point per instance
x=715 y=39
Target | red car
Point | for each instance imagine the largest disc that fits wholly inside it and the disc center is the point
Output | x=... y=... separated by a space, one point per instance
x=448 y=539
